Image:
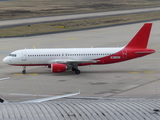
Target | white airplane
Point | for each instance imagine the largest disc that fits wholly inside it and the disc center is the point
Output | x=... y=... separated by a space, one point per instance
x=62 y=59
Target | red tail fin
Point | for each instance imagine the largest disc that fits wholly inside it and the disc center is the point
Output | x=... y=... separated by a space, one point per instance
x=140 y=40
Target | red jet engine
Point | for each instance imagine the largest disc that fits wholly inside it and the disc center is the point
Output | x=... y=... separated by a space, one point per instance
x=58 y=68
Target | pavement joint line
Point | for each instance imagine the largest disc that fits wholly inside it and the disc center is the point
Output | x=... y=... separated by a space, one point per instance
x=31 y=85
x=154 y=79
x=146 y=74
x=42 y=86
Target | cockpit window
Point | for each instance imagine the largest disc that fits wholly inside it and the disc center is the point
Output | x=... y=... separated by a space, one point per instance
x=13 y=55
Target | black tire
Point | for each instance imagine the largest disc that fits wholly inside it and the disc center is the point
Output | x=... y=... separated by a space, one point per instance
x=24 y=72
x=77 y=71
x=73 y=69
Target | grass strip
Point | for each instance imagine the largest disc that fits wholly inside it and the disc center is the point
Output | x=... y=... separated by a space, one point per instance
x=77 y=24
x=36 y=8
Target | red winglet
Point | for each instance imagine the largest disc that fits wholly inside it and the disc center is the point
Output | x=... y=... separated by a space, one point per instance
x=140 y=40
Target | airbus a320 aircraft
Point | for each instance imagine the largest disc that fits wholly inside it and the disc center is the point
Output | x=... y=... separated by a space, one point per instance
x=62 y=59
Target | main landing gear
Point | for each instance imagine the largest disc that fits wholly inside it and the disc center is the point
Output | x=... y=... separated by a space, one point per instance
x=24 y=70
x=76 y=70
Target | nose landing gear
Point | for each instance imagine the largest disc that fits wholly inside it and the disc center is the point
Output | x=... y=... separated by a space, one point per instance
x=24 y=70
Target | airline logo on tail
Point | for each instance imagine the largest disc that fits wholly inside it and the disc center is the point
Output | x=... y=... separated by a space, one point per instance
x=60 y=60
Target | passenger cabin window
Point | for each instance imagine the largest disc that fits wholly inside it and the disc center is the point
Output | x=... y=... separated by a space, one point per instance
x=13 y=55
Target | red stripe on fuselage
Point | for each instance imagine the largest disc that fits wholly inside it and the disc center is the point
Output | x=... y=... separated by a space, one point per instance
x=123 y=55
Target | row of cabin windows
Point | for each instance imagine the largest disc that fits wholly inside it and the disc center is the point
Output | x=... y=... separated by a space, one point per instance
x=71 y=54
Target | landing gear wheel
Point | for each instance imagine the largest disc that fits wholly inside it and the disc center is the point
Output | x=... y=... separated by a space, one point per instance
x=73 y=69
x=24 y=72
x=77 y=71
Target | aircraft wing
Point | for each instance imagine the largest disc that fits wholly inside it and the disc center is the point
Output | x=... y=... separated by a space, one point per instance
x=50 y=98
x=71 y=61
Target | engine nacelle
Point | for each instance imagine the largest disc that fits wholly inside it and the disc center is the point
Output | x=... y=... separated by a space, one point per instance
x=57 y=68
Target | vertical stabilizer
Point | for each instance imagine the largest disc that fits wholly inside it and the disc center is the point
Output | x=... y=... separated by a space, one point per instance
x=140 y=40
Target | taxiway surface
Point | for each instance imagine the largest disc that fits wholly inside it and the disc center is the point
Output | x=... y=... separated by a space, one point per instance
x=138 y=78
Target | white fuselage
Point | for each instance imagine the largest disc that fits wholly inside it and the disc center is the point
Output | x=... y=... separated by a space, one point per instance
x=48 y=56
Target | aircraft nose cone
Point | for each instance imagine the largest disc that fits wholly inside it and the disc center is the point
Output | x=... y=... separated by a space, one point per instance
x=5 y=60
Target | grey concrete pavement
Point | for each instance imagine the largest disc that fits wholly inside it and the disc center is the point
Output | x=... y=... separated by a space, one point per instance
x=137 y=78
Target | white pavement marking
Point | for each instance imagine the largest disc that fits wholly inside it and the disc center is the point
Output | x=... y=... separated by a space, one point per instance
x=5 y=78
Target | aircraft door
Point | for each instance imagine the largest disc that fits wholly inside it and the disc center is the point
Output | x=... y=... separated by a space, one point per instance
x=24 y=56
x=124 y=54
